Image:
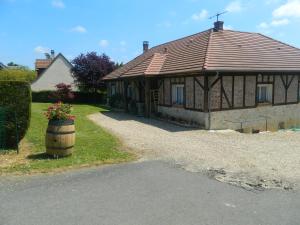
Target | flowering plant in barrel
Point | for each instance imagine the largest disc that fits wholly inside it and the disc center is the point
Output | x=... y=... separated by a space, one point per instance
x=59 y=111
x=60 y=136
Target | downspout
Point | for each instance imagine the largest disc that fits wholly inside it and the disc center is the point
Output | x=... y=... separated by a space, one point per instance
x=209 y=101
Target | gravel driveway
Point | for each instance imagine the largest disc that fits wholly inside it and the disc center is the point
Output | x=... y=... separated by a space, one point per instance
x=266 y=160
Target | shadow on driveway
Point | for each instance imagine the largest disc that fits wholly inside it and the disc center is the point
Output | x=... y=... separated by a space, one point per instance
x=159 y=123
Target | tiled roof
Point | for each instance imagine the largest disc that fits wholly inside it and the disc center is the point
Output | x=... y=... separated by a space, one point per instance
x=211 y=50
x=42 y=63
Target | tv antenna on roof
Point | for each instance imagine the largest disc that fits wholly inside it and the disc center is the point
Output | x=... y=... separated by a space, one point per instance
x=217 y=15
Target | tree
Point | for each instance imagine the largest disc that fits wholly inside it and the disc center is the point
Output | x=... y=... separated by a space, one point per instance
x=88 y=69
x=12 y=64
x=63 y=93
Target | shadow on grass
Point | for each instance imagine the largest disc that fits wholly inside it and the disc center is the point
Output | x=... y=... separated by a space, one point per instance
x=40 y=156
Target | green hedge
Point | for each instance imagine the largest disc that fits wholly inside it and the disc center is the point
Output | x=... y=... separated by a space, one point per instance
x=17 y=74
x=79 y=97
x=15 y=97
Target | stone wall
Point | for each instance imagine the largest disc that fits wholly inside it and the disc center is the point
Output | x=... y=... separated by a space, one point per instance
x=279 y=91
x=250 y=91
x=189 y=88
x=200 y=118
x=292 y=92
x=287 y=115
x=167 y=91
x=283 y=96
x=199 y=94
x=238 y=91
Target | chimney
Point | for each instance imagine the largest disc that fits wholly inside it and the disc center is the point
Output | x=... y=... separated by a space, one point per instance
x=47 y=55
x=52 y=54
x=145 y=46
x=218 y=26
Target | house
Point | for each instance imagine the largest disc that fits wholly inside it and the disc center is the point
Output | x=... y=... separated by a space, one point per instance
x=2 y=66
x=51 y=71
x=219 y=79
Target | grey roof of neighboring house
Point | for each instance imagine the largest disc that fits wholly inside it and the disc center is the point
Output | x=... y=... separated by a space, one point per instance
x=56 y=57
x=2 y=66
x=210 y=50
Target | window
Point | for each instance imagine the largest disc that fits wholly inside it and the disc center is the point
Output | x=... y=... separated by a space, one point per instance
x=264 y=93
x=177 y=94
x=130 y=91
x=113 y=89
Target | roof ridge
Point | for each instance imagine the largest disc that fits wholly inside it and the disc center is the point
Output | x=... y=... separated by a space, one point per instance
x=169 y=42
x=278 y=41
x=206 y=51
x=155 y=55
x=137 y=64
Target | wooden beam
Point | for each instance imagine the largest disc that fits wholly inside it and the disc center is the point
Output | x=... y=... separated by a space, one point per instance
x=147 y=97
x=125 y=96
x=206 y=89
x=198 y=82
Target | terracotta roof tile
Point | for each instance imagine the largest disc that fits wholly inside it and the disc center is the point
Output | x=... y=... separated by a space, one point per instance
x=42 y=63
x=214 y=51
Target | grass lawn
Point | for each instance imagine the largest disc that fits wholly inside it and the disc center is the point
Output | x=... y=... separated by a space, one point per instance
x=93 y=145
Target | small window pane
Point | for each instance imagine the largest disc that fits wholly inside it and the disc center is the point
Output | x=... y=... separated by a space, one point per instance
x=177 y=94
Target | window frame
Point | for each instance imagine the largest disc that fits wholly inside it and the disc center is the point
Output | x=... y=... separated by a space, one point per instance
x=174 y=95
x=268 y=98
x=113 y=89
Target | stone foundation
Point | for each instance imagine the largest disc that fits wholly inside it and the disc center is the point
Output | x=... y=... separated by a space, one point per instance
x=261 y=118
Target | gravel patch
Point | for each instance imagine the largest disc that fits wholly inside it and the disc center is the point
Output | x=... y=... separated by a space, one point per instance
x=252 y=161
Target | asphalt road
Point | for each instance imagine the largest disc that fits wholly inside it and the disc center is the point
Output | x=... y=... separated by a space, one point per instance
x=155 y=193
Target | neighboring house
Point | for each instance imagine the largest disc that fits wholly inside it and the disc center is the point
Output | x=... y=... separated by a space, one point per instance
x=220 y=79
x=2 y=66
x=52 y=71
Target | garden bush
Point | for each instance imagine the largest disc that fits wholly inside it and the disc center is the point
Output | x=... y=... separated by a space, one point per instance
x=116 y=101
x=17 y=74
x=15 y=97
x=79 y=97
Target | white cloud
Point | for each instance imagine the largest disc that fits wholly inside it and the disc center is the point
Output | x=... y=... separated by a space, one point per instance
x=272 y=2
x=40 y=49
x=200 y=16
x=274 y=23
x=277 y=23
x=78 y=29
x=165 y=24
x=234 y=6
x=263 y=25
x=58 y=4
x=123 y=43
x=289 y=9
x=228 y=27
x=103 y=43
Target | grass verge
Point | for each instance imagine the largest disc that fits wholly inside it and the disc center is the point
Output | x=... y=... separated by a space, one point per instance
x=93 y=146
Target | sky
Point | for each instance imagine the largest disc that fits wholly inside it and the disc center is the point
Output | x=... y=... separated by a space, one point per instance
x=30 y=28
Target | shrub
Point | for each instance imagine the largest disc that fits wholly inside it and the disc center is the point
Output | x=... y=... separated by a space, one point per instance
x=116 y=101
x=63 y=93
x=17 y=74
x=79 y=97
x=16 y=99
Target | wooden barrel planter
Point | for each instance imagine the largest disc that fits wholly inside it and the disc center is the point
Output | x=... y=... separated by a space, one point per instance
x=60 y=138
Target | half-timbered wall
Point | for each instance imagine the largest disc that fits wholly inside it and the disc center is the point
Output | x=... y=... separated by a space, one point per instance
x=231 y=92
x=119 y=87
x=286 y=89
x=193 y=91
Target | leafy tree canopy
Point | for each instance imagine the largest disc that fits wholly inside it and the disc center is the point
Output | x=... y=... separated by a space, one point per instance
x=89 y=68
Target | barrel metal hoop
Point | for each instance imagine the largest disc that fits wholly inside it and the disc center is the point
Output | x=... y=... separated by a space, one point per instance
x=61 y=148
x=60 y=133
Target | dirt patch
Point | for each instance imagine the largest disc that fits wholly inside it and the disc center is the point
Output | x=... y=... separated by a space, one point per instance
x=258 y=161
x=11 y=158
